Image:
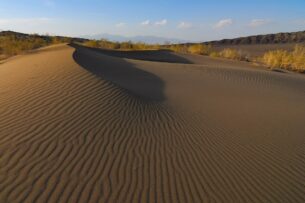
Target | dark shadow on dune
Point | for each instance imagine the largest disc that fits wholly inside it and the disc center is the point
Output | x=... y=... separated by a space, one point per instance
x=146 y=55
x=120 y=72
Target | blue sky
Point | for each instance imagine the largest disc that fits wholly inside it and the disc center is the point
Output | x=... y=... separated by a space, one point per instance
x=194 y=20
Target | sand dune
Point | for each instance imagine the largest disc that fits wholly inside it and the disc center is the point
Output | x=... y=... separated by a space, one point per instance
x=78 y=125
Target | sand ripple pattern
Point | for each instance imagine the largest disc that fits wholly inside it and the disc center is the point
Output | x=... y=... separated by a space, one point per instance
x=67 y=135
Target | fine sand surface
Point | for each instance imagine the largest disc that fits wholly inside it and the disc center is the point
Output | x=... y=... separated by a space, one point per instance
x=80 y=125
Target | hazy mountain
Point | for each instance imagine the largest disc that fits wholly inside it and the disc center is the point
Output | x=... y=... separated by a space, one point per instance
x=146 y=39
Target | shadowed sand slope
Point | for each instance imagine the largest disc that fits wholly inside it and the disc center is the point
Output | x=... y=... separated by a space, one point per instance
x=80 y=126
x=172 y=57
x=146 y=55
x=120 y=72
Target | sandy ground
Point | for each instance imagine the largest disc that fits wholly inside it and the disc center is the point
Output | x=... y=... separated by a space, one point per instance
x=79 y=125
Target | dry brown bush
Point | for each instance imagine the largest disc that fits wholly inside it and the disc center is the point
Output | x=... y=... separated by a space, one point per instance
x=199 y=49
x=230 y=54
x=294 y=60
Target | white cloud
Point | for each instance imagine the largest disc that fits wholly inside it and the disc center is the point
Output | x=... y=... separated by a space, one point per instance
x=258 y=22
x=146 y=23
x=120 y=25
x=223 y=23
x=161 y=23
x=185 y=25
x=24 y=21
x=157 y=23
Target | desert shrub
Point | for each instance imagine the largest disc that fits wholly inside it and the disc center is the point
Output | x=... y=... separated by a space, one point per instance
x=144 y=46
x=58 y=40
x=214 y=54
x=199 y=49
x=294 y=60
x=276 y=59
x=155 y=46
x=105 y=44
x=126 y=45
x=14 y=44
x=55 y=40
x=230 y=54
x=179 y=48
x=140 y=46
x=11 y=45
x=92 y=43
x=298 y=58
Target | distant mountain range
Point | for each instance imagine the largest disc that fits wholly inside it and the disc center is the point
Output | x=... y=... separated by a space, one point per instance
x=287 y=37
x=145 y=39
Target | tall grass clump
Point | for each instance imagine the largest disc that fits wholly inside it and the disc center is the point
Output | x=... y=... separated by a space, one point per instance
x=293 y=60
x=178 y=48
x=13 y=44
x=230 y=54
x=105 y=44
x=199 y=49
x=92 y=43
x=214 y=54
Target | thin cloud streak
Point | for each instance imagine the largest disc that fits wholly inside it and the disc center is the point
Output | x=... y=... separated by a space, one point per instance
x=223 y=23
x=161 y=23
x=258 y=22
x=146 y=23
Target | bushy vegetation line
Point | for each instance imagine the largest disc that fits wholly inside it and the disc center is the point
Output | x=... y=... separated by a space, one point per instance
x=294 y=60
x=105 y=44
x=202 y=49
x=229 y=54
x=13 y=44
